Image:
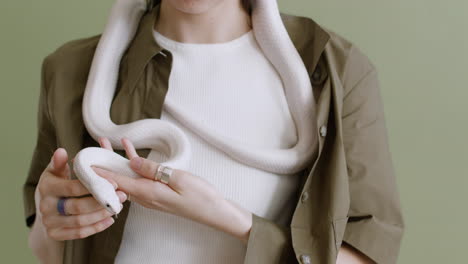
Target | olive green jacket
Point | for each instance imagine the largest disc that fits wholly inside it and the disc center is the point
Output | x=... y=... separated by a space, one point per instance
x=348 y=193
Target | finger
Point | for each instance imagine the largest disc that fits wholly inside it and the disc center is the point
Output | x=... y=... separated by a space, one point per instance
x=58 y=165
x=66 y=188
x=124 y=183
x=80 y=220
x=84 y=205
x=147 y=168
x=129 y=148
x=105 y=143
x=75 y=206
x=71 y=206
x=137 y=187
x=122 y=196
x=67 y=171
x=142 y=189
x=109 y=179
x=82 y=232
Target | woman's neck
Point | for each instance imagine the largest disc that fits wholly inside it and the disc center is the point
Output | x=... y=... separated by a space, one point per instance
x=221 y=23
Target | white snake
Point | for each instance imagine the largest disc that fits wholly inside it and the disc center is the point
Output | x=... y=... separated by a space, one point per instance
x=161 y=135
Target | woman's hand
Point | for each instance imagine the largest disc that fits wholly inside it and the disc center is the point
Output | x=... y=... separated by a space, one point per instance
x=86 y=216
x=185 y=195
x=50 y=228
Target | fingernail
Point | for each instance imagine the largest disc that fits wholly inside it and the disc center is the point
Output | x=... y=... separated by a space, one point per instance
x=136 y=162
x=124 y=195
x=110 y=221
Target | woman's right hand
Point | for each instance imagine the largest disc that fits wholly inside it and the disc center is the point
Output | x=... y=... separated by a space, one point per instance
x=86 y=216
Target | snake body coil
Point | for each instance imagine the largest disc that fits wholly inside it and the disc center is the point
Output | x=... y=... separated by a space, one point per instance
x=160 y=135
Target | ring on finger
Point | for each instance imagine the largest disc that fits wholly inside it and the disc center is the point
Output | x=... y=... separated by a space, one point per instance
x=163 y=174
x=61 y=206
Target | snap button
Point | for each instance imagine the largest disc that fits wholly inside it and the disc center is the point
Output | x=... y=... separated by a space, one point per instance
x=305 y=259
x=323 y=131
x=304 y=196
x=316 y=75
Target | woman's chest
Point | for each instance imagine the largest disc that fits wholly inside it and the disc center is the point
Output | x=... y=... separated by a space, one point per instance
x=243 y=100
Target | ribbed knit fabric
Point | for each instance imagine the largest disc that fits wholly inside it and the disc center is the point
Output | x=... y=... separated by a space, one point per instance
x=232 y=88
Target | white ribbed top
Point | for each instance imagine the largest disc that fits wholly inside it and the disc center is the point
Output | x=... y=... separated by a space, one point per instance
x=236 y=91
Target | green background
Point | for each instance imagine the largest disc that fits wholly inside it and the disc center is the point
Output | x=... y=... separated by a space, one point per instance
x=420 y=48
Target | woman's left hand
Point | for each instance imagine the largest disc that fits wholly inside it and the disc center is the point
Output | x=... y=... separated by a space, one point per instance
x=185 y=195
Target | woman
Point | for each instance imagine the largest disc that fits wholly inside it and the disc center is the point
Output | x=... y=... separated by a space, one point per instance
x=337 y=210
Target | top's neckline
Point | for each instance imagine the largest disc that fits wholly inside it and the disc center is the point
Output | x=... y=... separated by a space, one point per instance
x=169 y=44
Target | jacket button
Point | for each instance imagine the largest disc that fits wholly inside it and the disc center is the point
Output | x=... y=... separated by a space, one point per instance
x=323 y=131
x=317 y=75
x=305 y=259
x=304 y=196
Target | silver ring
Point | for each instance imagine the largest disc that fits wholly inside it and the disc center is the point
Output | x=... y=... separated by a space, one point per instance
x=163 y=174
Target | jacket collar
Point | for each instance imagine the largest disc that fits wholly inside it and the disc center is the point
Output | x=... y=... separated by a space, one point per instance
x=144 y=46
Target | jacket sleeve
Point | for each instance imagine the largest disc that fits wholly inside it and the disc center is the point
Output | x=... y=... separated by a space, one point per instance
x=43 y=150
x=375 y=226
x=268 y=243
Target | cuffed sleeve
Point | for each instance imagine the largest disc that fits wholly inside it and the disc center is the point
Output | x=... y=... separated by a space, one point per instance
x=43 y=150
x=268 y=242
x=375 y=226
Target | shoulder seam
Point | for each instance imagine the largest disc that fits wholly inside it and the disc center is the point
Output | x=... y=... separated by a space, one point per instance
x=363 y=77
x=348 y=55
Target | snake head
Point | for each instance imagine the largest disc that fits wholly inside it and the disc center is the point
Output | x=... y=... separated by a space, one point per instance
x=105 y=194
x=101 y=189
